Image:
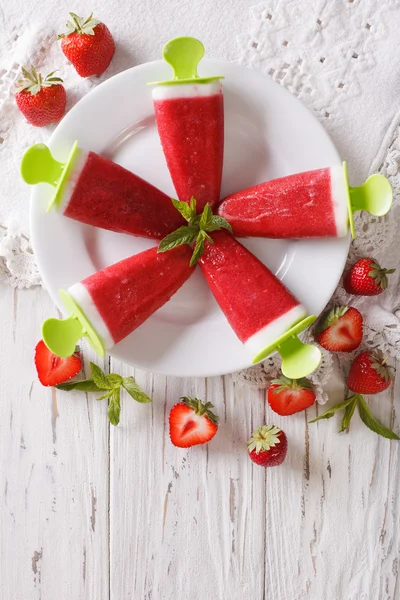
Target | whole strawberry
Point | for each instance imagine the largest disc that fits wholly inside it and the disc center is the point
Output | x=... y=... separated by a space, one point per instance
x=340 y=329
x=267 y=446
x=369 y=373
x=288 y=396
x=41 y=101
x=88 y=45
x=191 y=422
x=366 y=278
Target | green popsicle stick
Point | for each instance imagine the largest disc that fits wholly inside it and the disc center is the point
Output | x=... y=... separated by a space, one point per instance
x=375 y=196
x=298 y=359
x=38 y=165
x=61 y=335
x=183 y=54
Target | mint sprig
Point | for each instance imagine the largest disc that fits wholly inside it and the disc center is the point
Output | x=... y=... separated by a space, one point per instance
x=367 y=418
x=197 y=230
x=111 y=386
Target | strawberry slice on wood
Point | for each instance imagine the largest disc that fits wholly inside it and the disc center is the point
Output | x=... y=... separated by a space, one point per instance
x=340 y=329
x=191 y=422
x=288 y=396
x=53 y=369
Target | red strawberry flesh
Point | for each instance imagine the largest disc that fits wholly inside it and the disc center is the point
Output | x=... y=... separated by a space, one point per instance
x=191 y=423
x=340 y=330
x=53 y=369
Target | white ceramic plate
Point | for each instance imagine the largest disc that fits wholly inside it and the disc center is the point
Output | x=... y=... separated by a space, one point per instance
x=268 y=134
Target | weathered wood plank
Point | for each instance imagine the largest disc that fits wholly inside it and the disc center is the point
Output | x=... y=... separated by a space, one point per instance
x=54 y=471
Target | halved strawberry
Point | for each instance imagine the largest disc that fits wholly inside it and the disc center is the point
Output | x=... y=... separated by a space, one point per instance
x=340 y=329
x=289 y=396
x=191 y=422
x=53 y=369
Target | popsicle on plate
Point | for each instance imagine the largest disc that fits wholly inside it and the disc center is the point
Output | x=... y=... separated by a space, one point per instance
x=262 y=312
x=110 y=304
x=190 y=119
x=314 y=204
x=94 y=190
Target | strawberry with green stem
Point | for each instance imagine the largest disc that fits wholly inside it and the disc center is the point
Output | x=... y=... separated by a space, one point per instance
x=192 y=422
x=289 y=396
x=340 y=329
x=88 y=45
x=197 y=230
x=366 y=278
x=267 y=446
x=369 y=374
x=41 y=100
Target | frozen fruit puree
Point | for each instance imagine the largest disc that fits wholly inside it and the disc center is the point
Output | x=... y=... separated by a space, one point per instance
x=305 y=205
x=256 y=304
x=190 y=121
x=119 y=298
x=100 y=192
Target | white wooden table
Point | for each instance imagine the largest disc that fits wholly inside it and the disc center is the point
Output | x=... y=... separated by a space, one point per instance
x=93 y=512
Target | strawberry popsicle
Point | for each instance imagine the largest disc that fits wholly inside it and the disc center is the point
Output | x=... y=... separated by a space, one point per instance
x=189 y=113
x=96 y=191
x=260 y=309
x=110 y=304
x=314 y=204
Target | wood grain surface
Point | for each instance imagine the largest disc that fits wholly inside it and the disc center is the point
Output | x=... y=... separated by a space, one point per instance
x=93 y=512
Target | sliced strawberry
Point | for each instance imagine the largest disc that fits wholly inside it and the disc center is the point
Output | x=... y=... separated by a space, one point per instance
x=341 y=329
x=191 y=422
x=289 y=396
x=53 y=369
x=267 y=446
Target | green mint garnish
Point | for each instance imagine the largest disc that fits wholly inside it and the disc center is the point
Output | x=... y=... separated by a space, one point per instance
x=111 y=386
x=197 y=231
x=349 y=406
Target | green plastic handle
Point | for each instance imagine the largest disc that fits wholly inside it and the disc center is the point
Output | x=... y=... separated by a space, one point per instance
x=38 y=165
x=61 y=335
x=298 y=359
x=375 y=196
x=183 y=54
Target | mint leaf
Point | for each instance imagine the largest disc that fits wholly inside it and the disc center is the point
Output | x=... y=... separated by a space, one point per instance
x=135 y=391
x=218 y=222
x=349 y=412
x=372 y=423
x=206 y=218
x=86 y=385
x=99 y=377
x=183 y=235
x=106 y=395
x=114 y=379
x=114 y=407
x=198 y=249
x=184 y=208
x=193 y=205
x=331 y=411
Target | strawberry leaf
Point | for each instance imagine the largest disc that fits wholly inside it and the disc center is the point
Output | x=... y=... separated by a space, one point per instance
x=349 y=412
x=372 y=423
x=135 y=391
x=100 y=377
x=331 y=411
x=184 y=235
x=86 y=385
x=114 y=407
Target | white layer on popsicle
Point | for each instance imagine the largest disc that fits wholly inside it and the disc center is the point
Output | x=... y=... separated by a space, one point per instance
x=339 y=196
x=72 y=179
x=82 y=297
x=273 y=331
x=187 y=90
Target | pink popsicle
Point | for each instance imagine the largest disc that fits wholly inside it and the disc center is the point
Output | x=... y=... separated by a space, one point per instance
x=119 y=298
x=313 y=204
x=256 y=304
x=190 y=121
